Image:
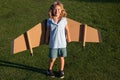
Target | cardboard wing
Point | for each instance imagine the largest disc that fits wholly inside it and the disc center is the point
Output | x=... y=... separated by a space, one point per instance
x=36 y=36
x=30 y=39
x=83 y=33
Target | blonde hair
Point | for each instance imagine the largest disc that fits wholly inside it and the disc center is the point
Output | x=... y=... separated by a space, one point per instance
x=57 y=3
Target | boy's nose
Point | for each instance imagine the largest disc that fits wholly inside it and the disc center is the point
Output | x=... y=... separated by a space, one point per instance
x=56 y=12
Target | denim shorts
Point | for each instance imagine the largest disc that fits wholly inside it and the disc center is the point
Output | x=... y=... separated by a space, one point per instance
x=57 y=52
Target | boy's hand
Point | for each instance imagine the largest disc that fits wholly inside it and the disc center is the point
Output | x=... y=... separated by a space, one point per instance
x=68 y=40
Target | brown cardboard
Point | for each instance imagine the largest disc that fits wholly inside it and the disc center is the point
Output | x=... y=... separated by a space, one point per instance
x=30 y=39
x=76 y=30
x=83 y=33
x=92 y=35
x=36 y=36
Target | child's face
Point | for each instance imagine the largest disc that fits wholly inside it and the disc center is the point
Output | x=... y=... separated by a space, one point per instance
x=57 y=11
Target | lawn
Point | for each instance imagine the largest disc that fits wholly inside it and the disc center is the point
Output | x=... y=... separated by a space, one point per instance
x=97 y=61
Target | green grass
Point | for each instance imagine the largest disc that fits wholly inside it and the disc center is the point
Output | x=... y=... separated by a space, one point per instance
x=95 y=62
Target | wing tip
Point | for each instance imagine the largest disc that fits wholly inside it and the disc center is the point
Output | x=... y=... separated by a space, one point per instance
x=12 y=47
x=100 y=36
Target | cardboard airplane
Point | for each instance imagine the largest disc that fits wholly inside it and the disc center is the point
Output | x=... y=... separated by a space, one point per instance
x=36 y=36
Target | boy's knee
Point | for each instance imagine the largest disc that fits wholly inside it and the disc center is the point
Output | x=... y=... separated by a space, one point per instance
x=52 y=60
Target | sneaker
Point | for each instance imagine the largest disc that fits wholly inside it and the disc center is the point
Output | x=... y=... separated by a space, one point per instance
x=61 y=74
x=50 y=73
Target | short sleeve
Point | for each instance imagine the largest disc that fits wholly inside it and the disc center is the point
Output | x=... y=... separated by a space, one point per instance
x=65 y=20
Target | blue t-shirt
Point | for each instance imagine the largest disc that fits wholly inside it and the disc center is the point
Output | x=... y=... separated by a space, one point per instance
x=57 y=33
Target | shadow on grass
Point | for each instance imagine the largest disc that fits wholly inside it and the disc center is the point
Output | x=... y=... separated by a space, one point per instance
x=21 y=66
x=114 y=1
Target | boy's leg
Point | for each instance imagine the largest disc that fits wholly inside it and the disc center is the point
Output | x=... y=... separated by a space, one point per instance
x=52 y=56
x=62 y=62
x=62 y=53
x=50 y=66
x=51 y=63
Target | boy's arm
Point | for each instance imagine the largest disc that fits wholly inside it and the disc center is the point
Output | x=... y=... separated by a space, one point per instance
x=47 y=35
x=67 y=34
